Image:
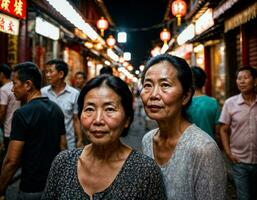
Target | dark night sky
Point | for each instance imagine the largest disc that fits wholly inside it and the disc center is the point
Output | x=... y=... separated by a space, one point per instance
x=137 y=14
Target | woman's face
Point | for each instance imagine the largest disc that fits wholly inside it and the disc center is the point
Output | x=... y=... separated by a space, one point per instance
x=103 y=116
x=162 y=93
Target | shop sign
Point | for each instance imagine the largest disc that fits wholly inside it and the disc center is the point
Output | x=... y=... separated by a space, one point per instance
x=15 y=8
x=223 y=8
x=12 y=50
x=47 y=29
x=9 y=24
x=204 y=22
x=187 y=34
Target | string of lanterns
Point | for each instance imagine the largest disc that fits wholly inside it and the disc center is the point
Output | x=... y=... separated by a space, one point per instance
x=178 y=9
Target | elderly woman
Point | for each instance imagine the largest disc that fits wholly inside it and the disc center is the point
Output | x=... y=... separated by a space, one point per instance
x=106 y=168
x=190 y=160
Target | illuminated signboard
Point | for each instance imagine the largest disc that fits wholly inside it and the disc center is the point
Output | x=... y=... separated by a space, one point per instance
x=9 y=24
x=204 y=22
x=15 y=8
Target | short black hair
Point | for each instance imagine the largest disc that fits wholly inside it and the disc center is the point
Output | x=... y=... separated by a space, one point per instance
x=184 y=74
x=106 y=70
x=199 y=76
x=118 y=86
x=29 y=71
x=83 y=74
x=249 y=68
x=60 y=65
x=6 y=70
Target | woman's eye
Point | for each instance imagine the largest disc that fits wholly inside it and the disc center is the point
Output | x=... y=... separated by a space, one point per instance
x=88 y=109
x=147 y=85
x=110 y=109
x=165 y=85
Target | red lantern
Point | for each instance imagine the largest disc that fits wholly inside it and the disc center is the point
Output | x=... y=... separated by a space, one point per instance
x=179 y=8
x=165 y=35
x=102 y=24
x=111 y=41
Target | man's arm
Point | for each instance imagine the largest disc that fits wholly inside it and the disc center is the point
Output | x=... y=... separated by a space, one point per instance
x=11 y=163
x=3 y=110
x=63 y=142
x=78 y=131
x=224 y=135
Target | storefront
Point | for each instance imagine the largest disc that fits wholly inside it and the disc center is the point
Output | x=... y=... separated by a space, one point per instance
x=11 y=13
x=240 y=42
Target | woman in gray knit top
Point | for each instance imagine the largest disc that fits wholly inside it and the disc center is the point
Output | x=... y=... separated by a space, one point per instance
x=190 y=160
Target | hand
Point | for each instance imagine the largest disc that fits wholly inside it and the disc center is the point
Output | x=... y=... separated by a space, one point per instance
x=233 y=158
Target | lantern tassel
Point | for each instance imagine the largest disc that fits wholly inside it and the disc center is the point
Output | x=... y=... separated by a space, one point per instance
x=102 y=32
x=179 y=20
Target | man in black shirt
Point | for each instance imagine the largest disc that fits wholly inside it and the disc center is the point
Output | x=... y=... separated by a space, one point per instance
x=37 y=134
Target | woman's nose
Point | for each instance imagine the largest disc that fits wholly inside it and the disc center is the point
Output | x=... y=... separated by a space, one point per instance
x=155 y=92
x=98 y=116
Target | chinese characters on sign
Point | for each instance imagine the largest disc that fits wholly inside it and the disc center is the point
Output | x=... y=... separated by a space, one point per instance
x=15 y=8
x=9 y=24
x=12 y=50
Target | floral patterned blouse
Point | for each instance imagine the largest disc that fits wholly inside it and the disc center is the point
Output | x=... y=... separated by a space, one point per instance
x=139 y=178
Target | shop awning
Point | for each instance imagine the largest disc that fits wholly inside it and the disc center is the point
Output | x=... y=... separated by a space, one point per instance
x=241 y=18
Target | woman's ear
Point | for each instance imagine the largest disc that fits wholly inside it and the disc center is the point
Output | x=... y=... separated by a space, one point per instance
x=127 y=122
x=187 y=96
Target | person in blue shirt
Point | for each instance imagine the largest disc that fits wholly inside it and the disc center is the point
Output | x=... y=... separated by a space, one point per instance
x=204 y=110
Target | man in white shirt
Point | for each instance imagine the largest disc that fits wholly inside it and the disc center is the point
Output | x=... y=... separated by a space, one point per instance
x=66 y=97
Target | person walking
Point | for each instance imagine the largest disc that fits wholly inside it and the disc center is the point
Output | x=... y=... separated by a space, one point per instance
x=80 y=80
x=66 y=97
x=8 y=103
x=37 y=134
x=204 y=111
x=190 y=160
x=239 y=133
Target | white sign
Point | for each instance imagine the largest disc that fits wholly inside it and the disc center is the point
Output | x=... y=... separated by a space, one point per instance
x=187 y=34
x=204 y=22
x=47 y=29
x=9 y=24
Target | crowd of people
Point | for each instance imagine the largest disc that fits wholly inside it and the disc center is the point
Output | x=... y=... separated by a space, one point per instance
x=67 y=139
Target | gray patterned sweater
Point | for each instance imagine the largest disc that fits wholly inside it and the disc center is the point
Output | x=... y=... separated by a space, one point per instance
x=196 y=169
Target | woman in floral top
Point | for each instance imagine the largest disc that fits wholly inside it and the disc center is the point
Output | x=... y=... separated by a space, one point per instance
x=106 y=168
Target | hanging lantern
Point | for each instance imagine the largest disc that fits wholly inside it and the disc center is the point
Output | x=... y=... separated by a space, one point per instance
x=111 y=41
x=165 y=35
x=179 y=8
x=102 y=24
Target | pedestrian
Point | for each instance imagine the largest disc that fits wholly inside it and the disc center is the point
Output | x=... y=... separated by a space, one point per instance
x=37 y=134
x=106 y=168
x=80 y=80
x=106 y=70
x=190 y=160
x=66 y=97
x=239 y=133
x=8 y=103
x=204 y=111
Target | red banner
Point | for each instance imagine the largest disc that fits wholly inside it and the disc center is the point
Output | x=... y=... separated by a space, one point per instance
x=15 y=8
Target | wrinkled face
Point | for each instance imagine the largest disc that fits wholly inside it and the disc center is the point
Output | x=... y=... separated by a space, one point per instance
x=79 y=81
x=245 y=81
x=103 y=116
x=53 y=76
x=162 y=93
x=19 y=89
